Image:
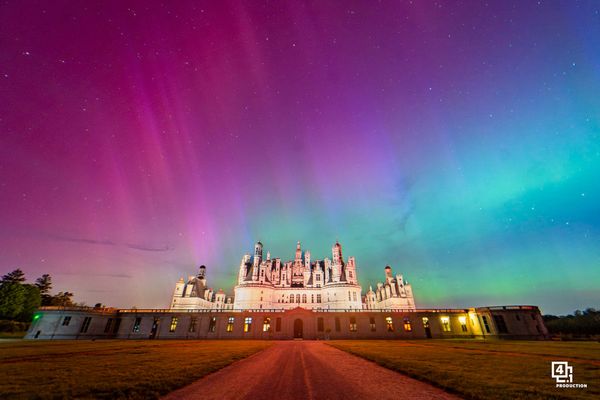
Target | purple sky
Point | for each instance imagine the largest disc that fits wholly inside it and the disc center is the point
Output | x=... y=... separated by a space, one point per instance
x=458 y=142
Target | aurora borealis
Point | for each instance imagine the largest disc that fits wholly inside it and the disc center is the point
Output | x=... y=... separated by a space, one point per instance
x=458 y=142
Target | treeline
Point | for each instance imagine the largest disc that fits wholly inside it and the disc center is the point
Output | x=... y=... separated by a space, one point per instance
x=19 y=300
x=580 y=323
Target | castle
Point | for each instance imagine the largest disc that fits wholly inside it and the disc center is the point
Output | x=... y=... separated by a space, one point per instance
x=269 y=283
x=300 y=298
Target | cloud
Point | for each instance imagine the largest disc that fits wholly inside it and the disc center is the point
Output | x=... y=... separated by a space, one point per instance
x=87 y=273
x=106 y=242
x=148 y=248
x=81 y=240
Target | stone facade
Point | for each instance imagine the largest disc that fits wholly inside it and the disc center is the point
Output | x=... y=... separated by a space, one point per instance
x=302 y=298
x=196 y=295
x=270 y=283
x=508 y=322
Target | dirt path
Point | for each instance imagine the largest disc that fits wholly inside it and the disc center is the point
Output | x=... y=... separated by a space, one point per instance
x=306 y=370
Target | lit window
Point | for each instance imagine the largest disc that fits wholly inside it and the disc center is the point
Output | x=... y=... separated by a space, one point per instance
x=247 y=324
x=86 y=324
x=304 y=298
x=173 y=324
x=352 y=324
x=425 y=322
x=389 y=324
x=66 y=321
x=193 y=321
x=267 y=324
x=136 y=324
x=372 y=324
x=407 y=326
x=445 y=324
x=463 y=323
x=230 y=324
x=212 y=325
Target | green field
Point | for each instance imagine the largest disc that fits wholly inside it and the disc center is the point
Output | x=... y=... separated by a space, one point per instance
x=111 y=369
x=487 y=369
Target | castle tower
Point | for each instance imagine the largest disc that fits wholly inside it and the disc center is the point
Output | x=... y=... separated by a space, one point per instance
x=258 y=248
x=388 y=274
x=351 y=271
x=298 y=268
x=244 y=268
x=337 y=253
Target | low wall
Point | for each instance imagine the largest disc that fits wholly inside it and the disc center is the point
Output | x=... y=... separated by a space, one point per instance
x=504 y=322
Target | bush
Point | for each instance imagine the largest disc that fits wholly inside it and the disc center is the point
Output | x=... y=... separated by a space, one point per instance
x=13 y=326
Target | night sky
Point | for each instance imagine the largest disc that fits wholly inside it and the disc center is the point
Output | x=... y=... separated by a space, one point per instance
x=458 y=142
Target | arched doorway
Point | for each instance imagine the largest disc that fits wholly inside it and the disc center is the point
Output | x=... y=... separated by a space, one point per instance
x=298 y=329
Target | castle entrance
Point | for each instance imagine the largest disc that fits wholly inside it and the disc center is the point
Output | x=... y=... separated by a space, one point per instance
x=298 y=324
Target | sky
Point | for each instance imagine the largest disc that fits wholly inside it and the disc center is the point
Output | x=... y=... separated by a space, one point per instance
x=458 y=142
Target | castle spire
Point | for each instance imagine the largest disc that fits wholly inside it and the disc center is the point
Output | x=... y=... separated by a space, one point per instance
x=298 y=251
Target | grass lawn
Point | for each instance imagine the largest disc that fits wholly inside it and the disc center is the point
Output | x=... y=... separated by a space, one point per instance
x=12 y=335
x=111 y=369
x=487 y=369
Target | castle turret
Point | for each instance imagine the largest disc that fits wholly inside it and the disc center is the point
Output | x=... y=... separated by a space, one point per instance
x=258 y=249
x=245 y=265
x=351 y=271
x=337 y=253
x=388 y=274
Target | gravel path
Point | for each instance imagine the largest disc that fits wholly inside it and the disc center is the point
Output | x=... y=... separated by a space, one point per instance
x=306 y=370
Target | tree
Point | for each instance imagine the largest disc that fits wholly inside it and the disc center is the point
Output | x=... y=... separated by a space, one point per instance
x=16 y=276
x=31 y=301
x=44 y=284
x=12 y=297
x=63 y=299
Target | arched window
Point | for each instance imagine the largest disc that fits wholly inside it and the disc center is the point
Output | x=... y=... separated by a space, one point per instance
x=304 y=298
x=297 y=298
